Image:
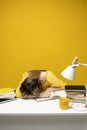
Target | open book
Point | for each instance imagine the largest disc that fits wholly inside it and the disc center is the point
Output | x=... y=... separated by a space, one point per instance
x=6 y=95
x=53 y=95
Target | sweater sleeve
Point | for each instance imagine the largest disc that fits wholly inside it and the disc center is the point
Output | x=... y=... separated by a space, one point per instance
x=54 y=81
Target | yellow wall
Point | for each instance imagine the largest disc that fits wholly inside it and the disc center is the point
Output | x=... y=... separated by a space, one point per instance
x=41 y=34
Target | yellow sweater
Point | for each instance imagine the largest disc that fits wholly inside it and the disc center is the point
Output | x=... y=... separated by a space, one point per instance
x=51 y=80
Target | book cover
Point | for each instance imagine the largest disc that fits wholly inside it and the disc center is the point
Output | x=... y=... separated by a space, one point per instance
x=6 y=95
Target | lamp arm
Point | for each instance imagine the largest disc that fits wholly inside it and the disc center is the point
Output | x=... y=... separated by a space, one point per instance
x=82 y=64
x=79 y=64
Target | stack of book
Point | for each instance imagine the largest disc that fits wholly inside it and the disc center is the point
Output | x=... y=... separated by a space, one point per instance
x=76 y=93
x=6 y=95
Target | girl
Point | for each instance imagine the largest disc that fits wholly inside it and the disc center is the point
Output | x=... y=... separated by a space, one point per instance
x=38 y=83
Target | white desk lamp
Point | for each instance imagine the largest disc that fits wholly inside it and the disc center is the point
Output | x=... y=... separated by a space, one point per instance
x=69 y=72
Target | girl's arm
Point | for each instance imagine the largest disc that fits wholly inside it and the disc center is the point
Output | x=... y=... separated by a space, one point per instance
x=47 y=92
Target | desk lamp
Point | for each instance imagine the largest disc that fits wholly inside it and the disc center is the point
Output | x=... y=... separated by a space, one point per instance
x=69 y=72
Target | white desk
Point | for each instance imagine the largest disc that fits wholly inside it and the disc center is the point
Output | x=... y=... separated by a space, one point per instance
x=32 y=115
x=30 y=106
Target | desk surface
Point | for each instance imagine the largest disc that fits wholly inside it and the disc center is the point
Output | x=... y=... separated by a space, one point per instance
x=31 y=106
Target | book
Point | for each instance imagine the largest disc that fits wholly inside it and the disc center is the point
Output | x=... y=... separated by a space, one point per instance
x=6 y=95
x=75 y=89
x=53 y=95
x=46 y=99
x=76 y=93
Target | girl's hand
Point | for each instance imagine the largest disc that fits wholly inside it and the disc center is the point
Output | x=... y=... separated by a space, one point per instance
x=45 y=94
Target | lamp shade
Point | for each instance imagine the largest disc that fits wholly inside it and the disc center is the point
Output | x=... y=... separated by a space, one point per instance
x=69 y=72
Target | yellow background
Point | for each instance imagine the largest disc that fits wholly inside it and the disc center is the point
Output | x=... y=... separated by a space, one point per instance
x=41 y=34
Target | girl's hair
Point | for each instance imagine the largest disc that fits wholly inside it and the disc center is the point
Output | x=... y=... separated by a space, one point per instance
x=31 y=87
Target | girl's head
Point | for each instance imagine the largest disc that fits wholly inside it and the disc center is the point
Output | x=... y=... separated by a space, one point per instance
x=31 y=88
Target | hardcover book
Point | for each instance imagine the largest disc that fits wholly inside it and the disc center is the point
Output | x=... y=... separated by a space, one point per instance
x=76 y=92
x=6 y=95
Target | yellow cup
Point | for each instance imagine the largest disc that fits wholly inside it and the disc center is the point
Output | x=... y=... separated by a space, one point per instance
x=64 y=103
